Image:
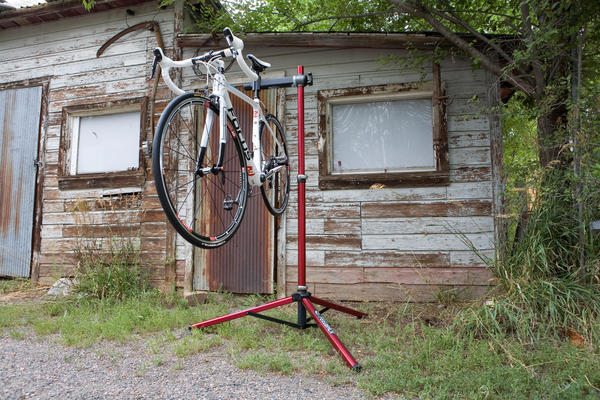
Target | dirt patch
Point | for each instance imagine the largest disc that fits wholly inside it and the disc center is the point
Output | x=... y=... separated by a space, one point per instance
x=432 y=314
x=24 y=295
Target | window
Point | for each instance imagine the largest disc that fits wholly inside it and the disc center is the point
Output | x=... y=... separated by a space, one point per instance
x=105 y=143
x=101 y=145
x=392 y=134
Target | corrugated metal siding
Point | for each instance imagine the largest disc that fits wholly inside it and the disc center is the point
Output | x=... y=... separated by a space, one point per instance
x=19 y=133
x=244 y=264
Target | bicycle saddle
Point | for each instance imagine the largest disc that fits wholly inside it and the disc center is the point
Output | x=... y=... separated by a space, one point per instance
x=257 y=65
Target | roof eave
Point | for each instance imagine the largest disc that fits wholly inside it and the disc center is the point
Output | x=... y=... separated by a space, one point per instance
x=56 y=10
x=318 y=39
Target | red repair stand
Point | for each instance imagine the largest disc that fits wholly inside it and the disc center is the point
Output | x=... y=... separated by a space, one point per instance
x=304 y=299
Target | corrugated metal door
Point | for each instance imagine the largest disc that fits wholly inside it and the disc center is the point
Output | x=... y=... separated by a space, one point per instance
x=19 y=133
x=245 y=263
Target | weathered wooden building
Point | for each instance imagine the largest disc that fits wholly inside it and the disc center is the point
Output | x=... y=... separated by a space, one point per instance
x=391 y=216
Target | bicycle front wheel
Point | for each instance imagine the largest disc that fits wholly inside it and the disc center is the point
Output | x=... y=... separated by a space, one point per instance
x=202 y=184
x=276 y=188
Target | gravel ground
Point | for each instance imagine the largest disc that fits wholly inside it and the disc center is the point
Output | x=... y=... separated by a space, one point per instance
x=39 y=368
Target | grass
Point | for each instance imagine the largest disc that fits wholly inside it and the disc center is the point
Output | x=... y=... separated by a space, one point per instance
x=399 y=350
x=14 y=285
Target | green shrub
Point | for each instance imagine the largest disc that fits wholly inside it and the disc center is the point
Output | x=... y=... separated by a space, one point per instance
x=112 y=273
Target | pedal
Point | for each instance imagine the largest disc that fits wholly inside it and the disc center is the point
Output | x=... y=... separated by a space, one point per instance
x=228 y=203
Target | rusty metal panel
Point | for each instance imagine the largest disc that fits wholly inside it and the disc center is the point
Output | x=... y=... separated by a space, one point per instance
x=19 y=134
x=245 y=263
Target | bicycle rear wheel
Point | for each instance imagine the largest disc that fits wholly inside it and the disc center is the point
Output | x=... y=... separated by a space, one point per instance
x=204 y=201
x=276 y=188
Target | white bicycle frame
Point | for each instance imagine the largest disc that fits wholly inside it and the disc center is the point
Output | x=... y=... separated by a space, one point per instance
x=221 y=89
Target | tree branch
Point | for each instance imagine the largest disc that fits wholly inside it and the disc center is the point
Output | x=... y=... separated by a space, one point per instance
x=484 y=12
x=452 y=17
x=340 y=17
x=537 y=71
x=418 y=10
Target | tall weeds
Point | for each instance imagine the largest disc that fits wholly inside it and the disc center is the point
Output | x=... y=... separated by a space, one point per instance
x=108 y=268
x=112 y=272
x=548 y=275
x=544 y=290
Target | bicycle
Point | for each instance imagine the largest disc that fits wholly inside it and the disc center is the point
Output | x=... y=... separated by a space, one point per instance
x=201 y=179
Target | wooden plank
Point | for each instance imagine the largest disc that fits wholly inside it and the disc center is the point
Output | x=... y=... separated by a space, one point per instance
x=463 y=123
x=313 y=195
x=72 y=244
x=53 y=206
x=428 y=276
x=106 y=203
x=99 y=217
x=427 y=225
x=459 y=139
x=428 y=242
x=153 y=258
x=62 y=258
x=465 y=208
x=470 y=174
x=326 y=226
x=469 y=156
x=329 y=210
x=153 y=229
x=328 y=242
x=320 y=39
x=469 y=190
x=101 y=231
x=105 y=180
x=151 y=202
x=408 y=276
x=470 y=258
x=313 y=257
x=153 y=244
x=51 y=231
x=388 y=258
x=153 y=216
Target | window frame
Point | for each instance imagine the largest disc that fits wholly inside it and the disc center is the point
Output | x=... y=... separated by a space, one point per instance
x=68 y=180
x=434 y=89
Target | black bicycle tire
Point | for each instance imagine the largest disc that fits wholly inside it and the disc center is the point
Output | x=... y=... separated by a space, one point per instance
x=281 y=209
x=171 y=214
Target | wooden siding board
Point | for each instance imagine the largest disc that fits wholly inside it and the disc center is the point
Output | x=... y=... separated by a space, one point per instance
x=425 y=225
x=390 y=259
x=429 y=242
x=471 y=258
x=324 y=242
x=464 y=208
x=469 y=190
x=406 y=276
x=315 y=196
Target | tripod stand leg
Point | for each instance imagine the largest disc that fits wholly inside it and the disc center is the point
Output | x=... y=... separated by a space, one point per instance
x=333 y=338
x=239 y=314
x=337 y=307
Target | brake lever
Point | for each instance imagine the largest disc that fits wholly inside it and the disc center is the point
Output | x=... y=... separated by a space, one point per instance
x=228 y=36
x=157 y=59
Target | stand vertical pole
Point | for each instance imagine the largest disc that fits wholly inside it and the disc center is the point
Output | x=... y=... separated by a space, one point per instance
x=301 y=205
x=301 y=190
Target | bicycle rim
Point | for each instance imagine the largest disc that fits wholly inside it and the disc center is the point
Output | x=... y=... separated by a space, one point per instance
x=276 y=188
x=205 y=208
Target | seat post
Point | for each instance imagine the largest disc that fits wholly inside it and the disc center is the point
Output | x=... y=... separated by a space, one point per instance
x=256 y=86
